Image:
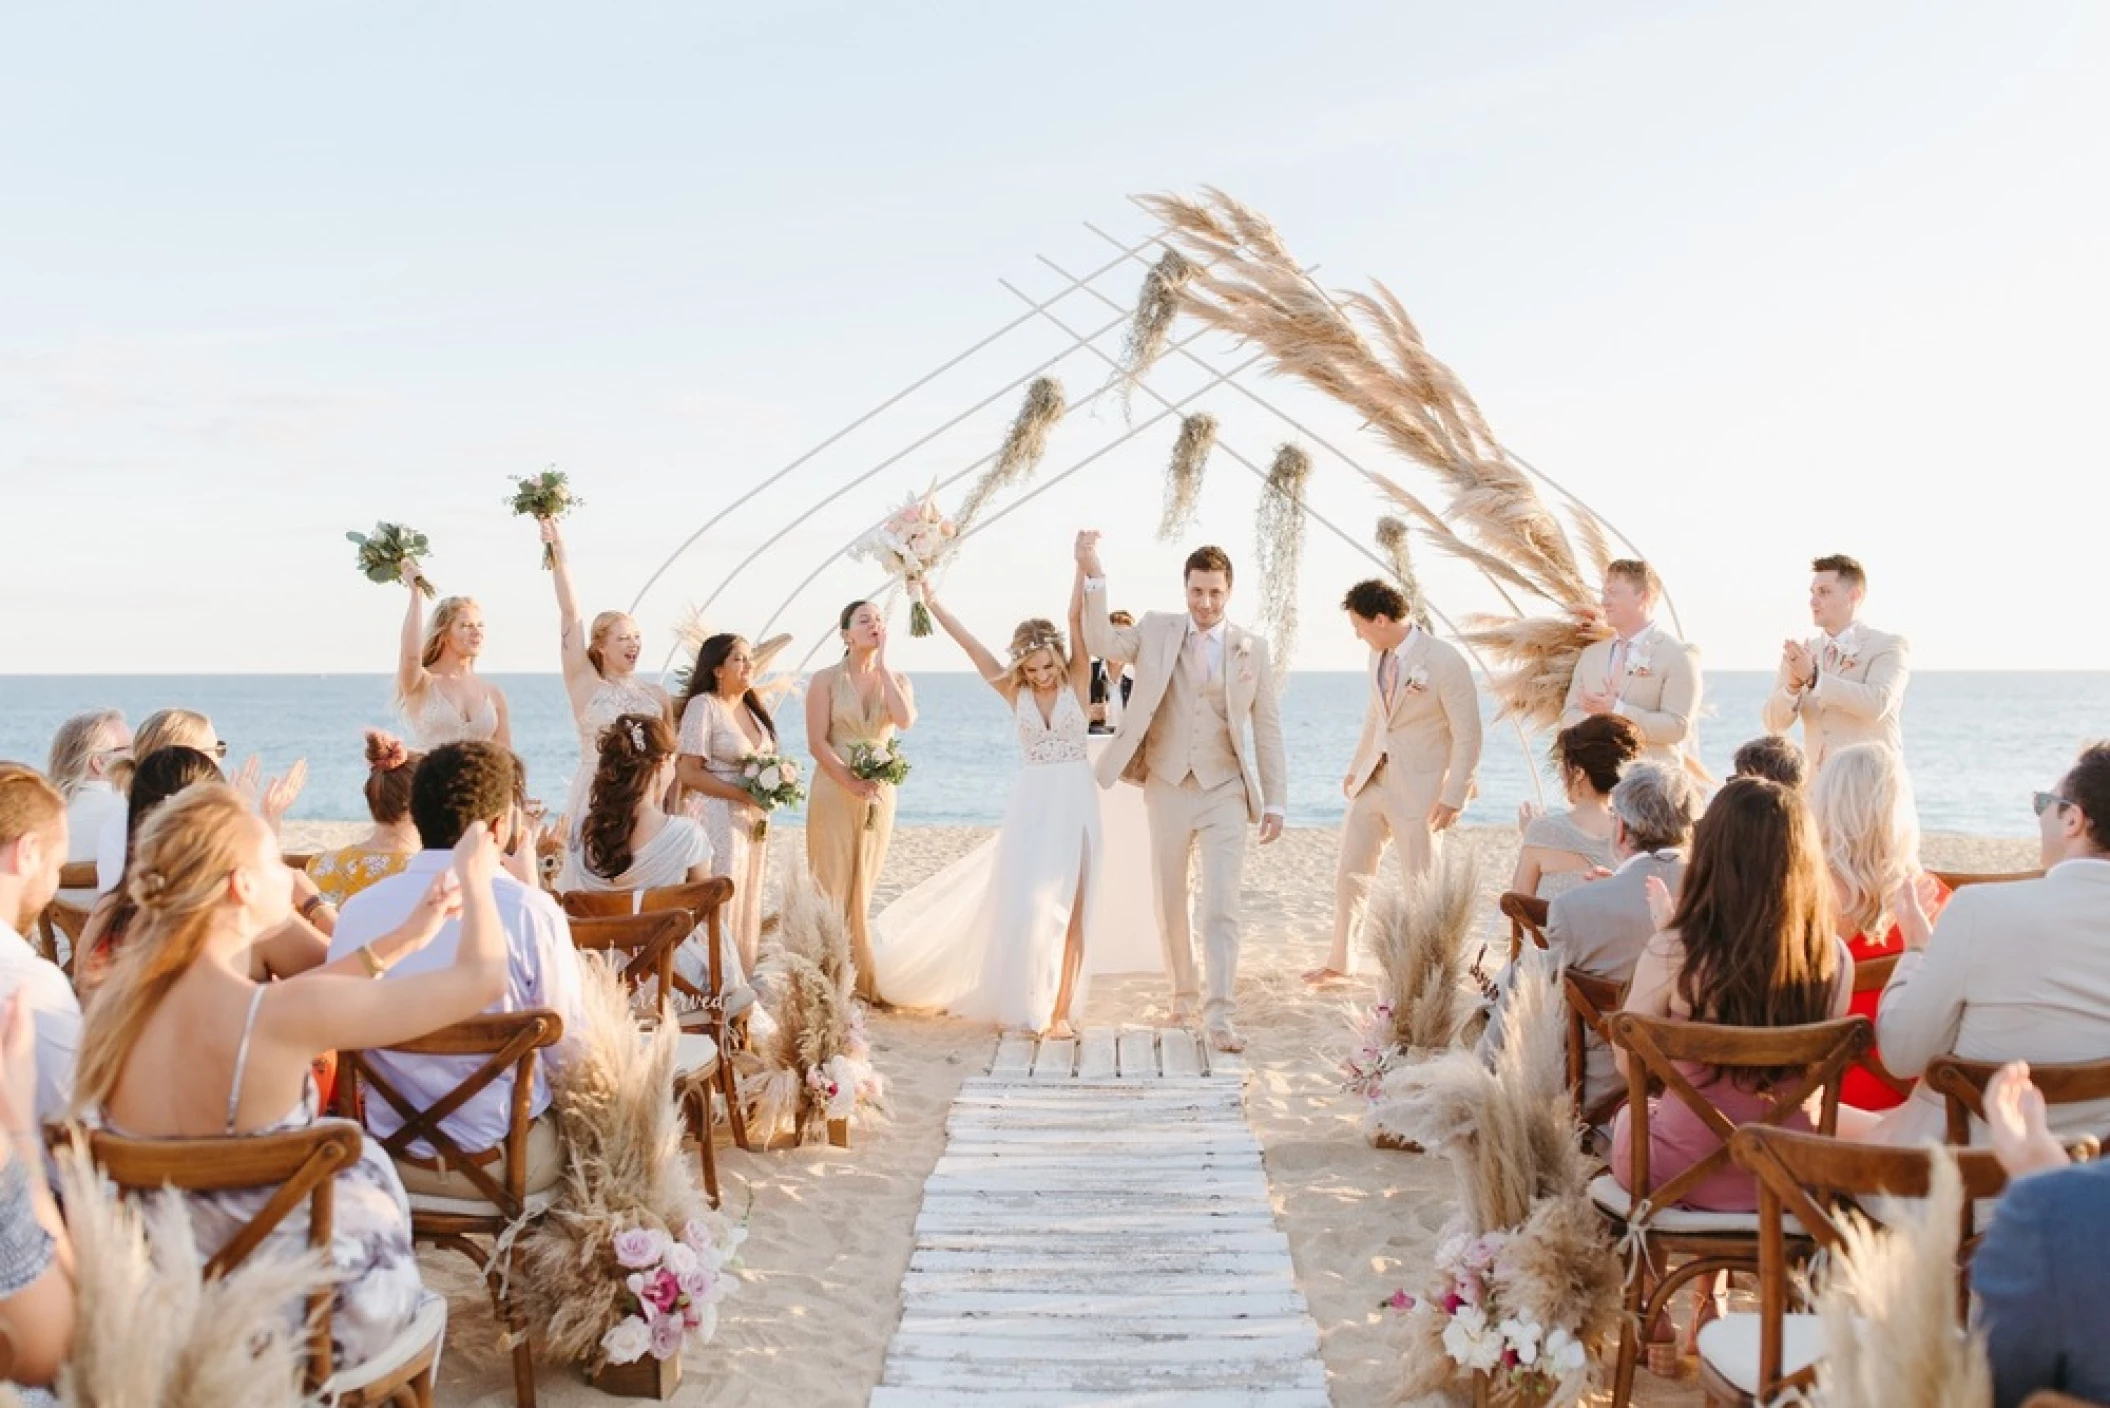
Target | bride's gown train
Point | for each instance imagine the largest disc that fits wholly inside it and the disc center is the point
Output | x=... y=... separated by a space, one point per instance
x=984 y=937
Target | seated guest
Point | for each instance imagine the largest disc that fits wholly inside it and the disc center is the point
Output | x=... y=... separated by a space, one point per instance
x=1107 y=702
x=1749 y=943
x=627 y=841
x=1863 y=806
x=1772 y=757
x=2039 y=1275
x=164 y=728
x=1601 y=928
x=1563 y=850
x=2013 y=972
x=32 y=847
x=183 y=1043
x=85 y=754
x=292 y=947
x=36 y=1256
x=459 y=787
x=386 y=849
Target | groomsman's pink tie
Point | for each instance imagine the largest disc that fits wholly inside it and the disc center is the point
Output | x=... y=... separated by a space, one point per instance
x=1616 y=676
x=1388 y=675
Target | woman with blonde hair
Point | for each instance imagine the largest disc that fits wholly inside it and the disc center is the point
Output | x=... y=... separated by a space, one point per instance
x=185 y=1043
x=437 y=688
x=1869 y=827
x=600 y=669
x=87 y=757
x=850 y=820
x=1001 y=935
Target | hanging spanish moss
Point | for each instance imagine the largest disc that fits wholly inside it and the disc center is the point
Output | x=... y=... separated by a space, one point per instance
x=1150 y=327
x=1280 y=531
x=1392 y=541
x=1183 y=476
x=1025 y=444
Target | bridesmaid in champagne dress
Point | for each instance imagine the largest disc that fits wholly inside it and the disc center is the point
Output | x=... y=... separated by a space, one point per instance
x=723 y=720
x=849 y=820
x=437 y=687
x=600 y=672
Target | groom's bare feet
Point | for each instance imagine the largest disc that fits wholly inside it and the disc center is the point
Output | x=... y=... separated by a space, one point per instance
x=1182 y=1015
x=1225 y=1039
x=1325 y=977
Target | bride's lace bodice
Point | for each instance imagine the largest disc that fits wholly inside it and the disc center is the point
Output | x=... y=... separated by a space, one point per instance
x=611 y=700
x=1061 y=741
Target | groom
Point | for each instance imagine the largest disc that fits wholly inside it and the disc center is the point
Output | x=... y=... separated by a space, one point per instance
x=1200 y=683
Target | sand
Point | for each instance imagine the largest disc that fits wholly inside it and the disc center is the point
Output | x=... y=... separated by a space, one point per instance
x=830 y=1229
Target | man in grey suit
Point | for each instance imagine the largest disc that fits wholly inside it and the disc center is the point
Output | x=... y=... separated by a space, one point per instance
x=1601 y=927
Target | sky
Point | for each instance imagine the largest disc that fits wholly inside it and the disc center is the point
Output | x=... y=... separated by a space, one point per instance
x=1757 y=282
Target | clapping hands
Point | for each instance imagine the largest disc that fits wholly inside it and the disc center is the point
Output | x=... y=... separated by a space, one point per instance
x=2020 y=1127
x=1661 y=907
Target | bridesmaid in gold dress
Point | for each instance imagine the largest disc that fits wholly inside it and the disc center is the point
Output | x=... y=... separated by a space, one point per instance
x=857 y=700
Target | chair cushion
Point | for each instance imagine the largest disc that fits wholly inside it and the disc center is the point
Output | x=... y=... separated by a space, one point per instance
x=1606 y=1192
x=1729 y=1346
x=695 y=1055
x=535 y=1203
x=427 y=1327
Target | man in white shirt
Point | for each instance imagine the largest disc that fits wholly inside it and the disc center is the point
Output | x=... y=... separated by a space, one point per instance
x=1642 y=672
x=32 y=847
x=2013 y=972
x=456 y=786
x=1847 y=683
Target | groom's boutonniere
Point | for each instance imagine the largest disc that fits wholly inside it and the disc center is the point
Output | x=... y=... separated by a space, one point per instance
x=1244 y=655
x=1417 y=679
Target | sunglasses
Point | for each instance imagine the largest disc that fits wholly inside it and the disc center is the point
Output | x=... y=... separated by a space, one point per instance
x=2043 y=802
x=218 y=749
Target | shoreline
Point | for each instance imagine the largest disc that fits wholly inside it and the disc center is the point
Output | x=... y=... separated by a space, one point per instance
x=831 y=1230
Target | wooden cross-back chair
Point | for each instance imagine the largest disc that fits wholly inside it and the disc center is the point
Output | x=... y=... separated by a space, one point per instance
x=1961 y=1084
x=508 y=1043
x=1957 y=879
x=1815 y=1054
x=647 y=941
x=704 y=901
x=1527 y=919
x=1815 y=1182
x=1591 y=1003
x=62 y=917
x=303 y=1165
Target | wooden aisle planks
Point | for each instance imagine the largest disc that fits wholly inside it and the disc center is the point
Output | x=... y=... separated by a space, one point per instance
x=1098 y=1231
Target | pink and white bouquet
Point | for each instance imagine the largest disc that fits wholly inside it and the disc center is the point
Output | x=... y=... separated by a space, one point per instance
x=908 y=544
x=1471 y=1310
x=772 y=781
x=845 y=1084
x=675 y=1285
x=1377 y=1052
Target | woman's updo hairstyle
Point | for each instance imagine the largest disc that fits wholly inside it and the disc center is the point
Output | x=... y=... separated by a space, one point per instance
x=390 y=766
x=1599 y=748
x=633 y=749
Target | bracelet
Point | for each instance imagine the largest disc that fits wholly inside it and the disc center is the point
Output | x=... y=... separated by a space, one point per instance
x=313 y=902
x=374 y=966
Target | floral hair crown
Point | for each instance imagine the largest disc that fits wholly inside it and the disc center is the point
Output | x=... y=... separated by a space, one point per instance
x=1038 y=640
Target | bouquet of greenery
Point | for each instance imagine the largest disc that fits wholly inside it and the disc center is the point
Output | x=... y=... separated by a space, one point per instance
x=772 y=781
x=545 y=495
x=383 y=552
x=881 y=763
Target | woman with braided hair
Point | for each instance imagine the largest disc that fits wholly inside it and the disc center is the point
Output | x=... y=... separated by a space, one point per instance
x=1001 y=934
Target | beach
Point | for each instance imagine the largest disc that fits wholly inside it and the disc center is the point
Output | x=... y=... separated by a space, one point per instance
x=830 y=1230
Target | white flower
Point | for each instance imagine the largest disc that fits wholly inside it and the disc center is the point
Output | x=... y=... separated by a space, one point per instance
x=1564 y=1352
x=627 y=1340
x=1470 y=1341
x=771 y=779
x=1523 y=1337
x=681 y=1258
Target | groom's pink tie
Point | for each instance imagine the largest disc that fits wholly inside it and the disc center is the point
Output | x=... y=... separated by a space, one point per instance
x=1198 y=655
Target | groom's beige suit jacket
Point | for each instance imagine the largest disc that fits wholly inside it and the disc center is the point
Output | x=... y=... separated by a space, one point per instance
x=1253 y=713
x=1859 y=701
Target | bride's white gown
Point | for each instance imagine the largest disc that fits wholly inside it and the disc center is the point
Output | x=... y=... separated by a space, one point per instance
x=984 y=937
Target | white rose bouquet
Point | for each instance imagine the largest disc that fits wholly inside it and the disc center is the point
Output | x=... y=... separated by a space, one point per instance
x=771 y=781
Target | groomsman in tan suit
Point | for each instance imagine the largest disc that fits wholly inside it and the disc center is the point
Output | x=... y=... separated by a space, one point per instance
x=1201 y=686
x=1414 y=764
x=1642 y=672
x=1847 y=683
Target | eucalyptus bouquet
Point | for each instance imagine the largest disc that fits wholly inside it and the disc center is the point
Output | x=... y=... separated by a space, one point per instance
x=878 y=762
x=544 y=495
x=383 y=552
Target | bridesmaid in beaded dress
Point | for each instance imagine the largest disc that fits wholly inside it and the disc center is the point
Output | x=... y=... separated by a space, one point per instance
x=849 y=820
x=437 y=688
x=600 y=672
x=723 y=720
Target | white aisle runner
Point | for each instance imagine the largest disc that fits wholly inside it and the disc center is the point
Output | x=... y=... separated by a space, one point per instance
x=1098 y=1231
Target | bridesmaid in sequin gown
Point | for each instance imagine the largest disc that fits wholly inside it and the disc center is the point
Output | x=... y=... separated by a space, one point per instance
x=600 y=672
x=849 y=821
x=723 y=720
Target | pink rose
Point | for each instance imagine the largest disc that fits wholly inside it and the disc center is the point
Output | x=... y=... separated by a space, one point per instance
x=639 y=1247
x=667 y=1336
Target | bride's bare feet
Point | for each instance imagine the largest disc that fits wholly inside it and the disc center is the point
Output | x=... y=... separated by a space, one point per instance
x=1325 y=977
x=1060 y=1031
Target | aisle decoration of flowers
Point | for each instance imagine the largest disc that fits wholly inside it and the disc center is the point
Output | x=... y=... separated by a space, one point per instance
x=816 y=1066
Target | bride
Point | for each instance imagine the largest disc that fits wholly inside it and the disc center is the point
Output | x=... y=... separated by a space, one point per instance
x=1000 y=935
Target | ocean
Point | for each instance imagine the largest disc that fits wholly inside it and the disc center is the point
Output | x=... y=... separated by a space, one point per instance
x=1978 y=743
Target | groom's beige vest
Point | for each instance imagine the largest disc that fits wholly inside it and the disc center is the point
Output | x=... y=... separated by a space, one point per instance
x=1191 y=731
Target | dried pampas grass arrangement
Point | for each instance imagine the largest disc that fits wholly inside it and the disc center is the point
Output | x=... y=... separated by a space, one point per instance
x=1417 y=937
x=1150 y=326
x=1890 y=1311
x=1393 y=542
x=1365 y=352
x=622 y=1131
x=1183 y=475
x=1025 y=445
x=816 y=1066
x=151 y=1330
x=1280 y=548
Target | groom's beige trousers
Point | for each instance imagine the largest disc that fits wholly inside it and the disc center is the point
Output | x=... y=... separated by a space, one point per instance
x=1184 y=816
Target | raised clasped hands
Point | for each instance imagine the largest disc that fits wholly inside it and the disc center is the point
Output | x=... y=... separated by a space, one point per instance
x=1088 y=552
x=1798 y=667
x=1660 y=906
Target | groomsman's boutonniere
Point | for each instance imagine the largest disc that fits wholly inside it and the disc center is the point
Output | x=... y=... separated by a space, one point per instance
x=1637 y=661
x=1417 y=679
